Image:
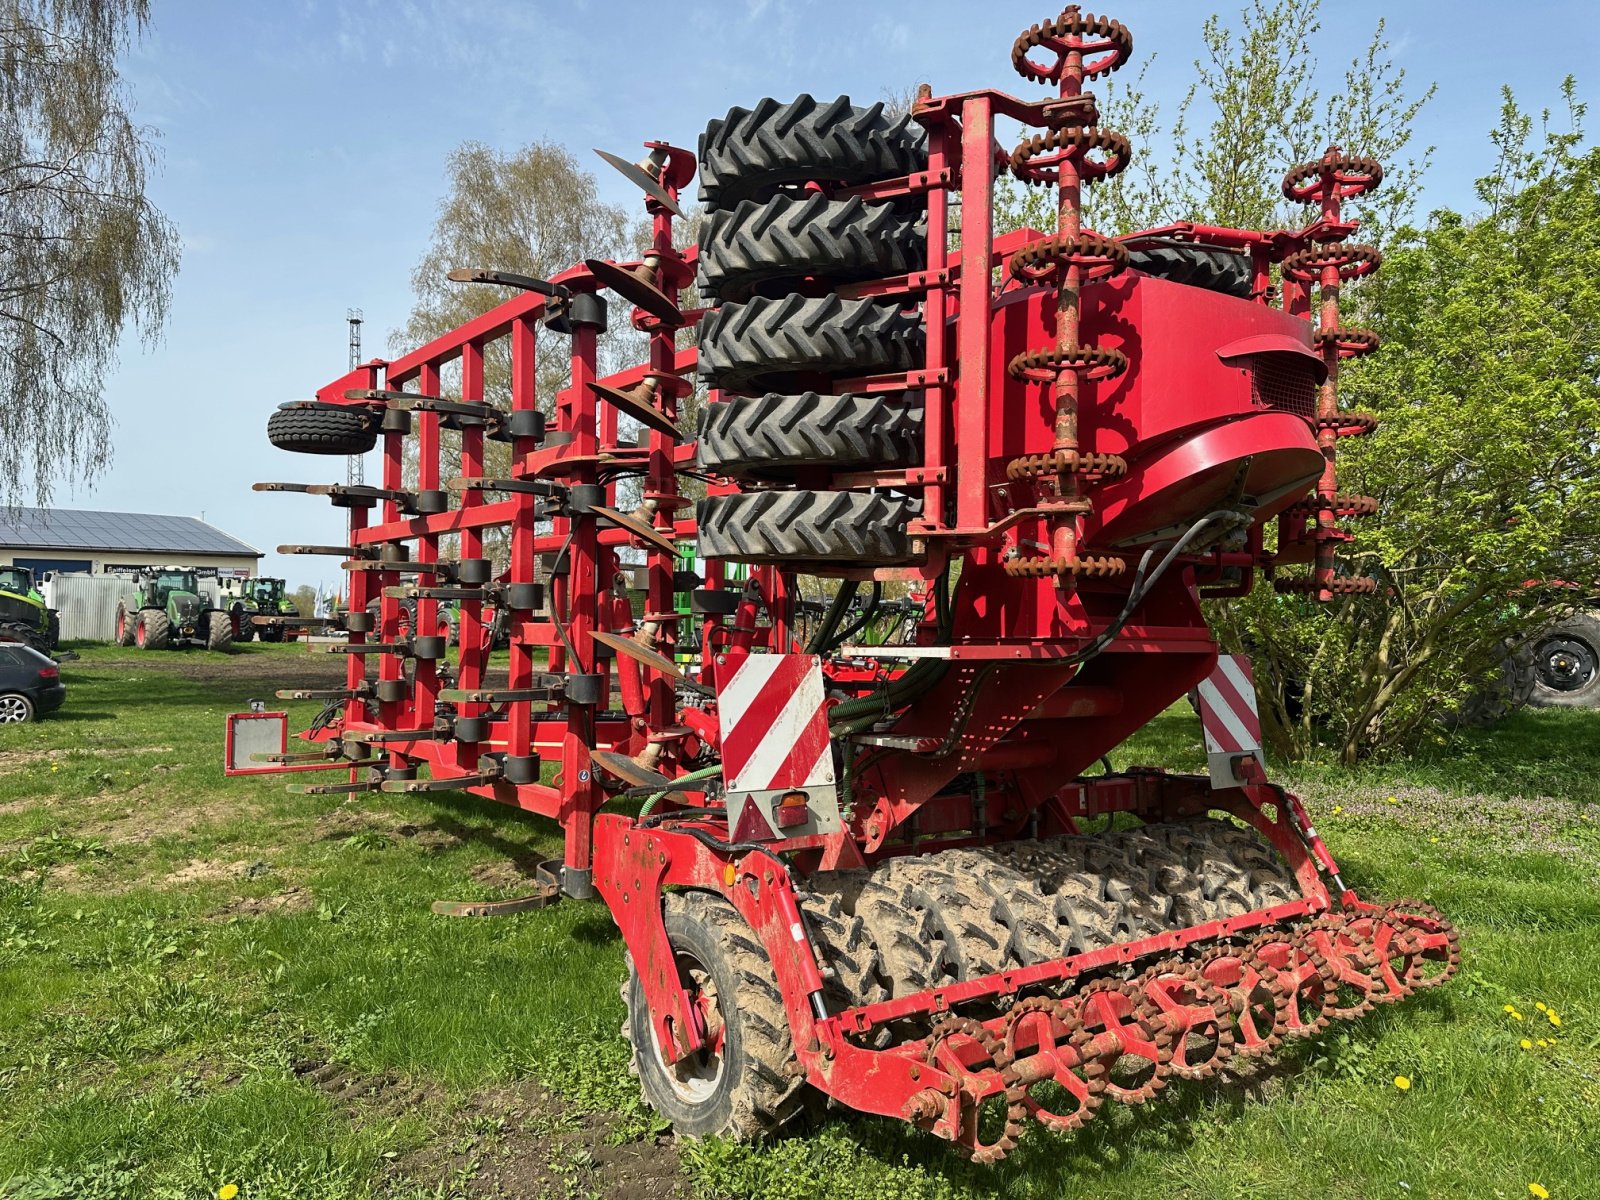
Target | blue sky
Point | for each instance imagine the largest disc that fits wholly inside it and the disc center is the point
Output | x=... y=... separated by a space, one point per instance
x=304 y=141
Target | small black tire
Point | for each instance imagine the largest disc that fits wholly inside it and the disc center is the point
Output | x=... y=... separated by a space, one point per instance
x=270 y=633
x=751 y=152
x=845 y=528
x=323 y=429
x=16 y=709
x=219 y=632
x=1214 y=268
x=1566 y=662
x=790 y=237
x=748 y=1090
x=152 y=629
x=776 y=344
x=772 y=436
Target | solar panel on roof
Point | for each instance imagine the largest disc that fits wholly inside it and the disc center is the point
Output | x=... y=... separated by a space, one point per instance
x=35 y=528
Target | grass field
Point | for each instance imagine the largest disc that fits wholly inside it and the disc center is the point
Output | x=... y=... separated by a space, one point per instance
x=207 y=983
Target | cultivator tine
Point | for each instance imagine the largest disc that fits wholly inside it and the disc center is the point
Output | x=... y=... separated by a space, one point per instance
x=646 y=176
x=639 y=403
x=526 y=283
x=533 y=695
x=347 y=788
x=640 y=530
x=450 y=784
x=639 y=653
x=529 y=487
x=348 y=552
x=360 y=693
x=627 y=770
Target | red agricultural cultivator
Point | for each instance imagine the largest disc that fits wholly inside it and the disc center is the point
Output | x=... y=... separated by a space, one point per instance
x=875 y=874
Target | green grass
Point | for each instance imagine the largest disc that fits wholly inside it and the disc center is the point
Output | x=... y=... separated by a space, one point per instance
x=178 y=951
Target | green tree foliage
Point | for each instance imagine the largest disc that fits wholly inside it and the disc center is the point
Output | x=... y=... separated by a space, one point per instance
x=304 y=598
x=1488 y=386
x=82 y=252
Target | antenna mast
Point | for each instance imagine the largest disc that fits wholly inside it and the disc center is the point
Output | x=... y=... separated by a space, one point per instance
x=355 y=468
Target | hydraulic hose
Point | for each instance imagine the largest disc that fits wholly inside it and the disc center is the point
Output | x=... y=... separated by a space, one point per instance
x=676 y=785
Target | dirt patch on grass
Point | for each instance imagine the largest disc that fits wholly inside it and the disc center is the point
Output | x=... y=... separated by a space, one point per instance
x=12 y=761
x=282 y=904
x=524 y=1141
x=207 y=870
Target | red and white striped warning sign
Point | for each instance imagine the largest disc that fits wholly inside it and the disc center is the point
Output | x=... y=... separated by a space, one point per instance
x=774 y=728
x=1227 y=702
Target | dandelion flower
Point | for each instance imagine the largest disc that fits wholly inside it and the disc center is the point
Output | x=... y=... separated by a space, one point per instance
x=1525 y=1044
x=1435 y=841
x=1515 y=1015
x=1538 y=1191
x=227 y=1191
x=1391 y=800
x=1553 y=1019
x=1339 y=808
x=1401 y=1082
x=1540 y=1005
x=1510 y=1008
x=1543 y=1043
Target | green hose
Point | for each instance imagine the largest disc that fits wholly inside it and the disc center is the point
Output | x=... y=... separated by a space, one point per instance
x=674 y=786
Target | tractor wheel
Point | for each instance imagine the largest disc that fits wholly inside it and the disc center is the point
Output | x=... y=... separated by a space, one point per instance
x=1566 y=664
x=751 y=152
x=764 y=247
x=271 y=633
x=740 y=1086
x=1209 y=267
x=15 y=709
x=772 y=436
x=774 y=343
x=219 y=632
x=126 y=627
x=854 y=528
x=325 y=429
x=152 y=630
x=52 y=634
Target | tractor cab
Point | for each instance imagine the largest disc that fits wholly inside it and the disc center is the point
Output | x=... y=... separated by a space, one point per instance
x=18 y=581
x=267 y=594
x=164 y=584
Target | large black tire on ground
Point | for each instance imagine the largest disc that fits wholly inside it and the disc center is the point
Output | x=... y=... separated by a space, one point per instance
x=752 y=151
x=775 y=344
x=152 y=630
x=1211 y=267
x=771 y=436
x=854 y=528
x=271 y=633
x=1509 y=686
x=1566 y=661
x=749 y=1091
x=52 y=634
x=790 y=237
x=323 y=429
x=219 y=632
x=125 y=627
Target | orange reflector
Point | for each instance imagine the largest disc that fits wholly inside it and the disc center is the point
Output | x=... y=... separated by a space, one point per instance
x=792 y=800
x=729 y=874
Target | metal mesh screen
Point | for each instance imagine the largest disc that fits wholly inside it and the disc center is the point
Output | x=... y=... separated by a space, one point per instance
x=1283 y=382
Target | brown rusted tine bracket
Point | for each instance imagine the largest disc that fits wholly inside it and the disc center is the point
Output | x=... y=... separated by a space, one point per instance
x=452 y=784
x=547 y=881
x=639 y=653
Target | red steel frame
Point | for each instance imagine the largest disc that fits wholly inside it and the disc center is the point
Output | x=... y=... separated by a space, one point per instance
x=1021 y=616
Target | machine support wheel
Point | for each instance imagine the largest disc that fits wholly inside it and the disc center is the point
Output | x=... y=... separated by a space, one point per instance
x=776 y=343
x=325 y=429
x=740 y=1085
x=752 y=151
x=1566 y=664
x=772 y=436
x=763 y=246
x=152 y=630
x=1211 y=267
x=856 y=528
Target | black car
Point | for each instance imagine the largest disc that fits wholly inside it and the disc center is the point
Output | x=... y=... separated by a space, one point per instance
x=30 y=683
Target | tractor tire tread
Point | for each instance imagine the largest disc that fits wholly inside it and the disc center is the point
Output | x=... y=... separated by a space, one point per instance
x=818 y=527
x=772 y=435
x=766 y=343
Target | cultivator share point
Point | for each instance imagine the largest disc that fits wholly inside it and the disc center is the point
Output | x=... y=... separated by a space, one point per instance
x=875 y=873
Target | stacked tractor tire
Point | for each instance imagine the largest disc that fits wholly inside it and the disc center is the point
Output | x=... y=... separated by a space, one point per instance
x=780 y=335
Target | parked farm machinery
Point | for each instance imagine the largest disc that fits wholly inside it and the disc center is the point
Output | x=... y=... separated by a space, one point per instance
x=24 y=615
x=257 y=606
x=877 y=873
x=166 y=607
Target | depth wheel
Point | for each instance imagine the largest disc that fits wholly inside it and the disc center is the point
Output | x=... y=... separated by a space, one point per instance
x=740 y=1085
x=1566 y=663
x=783 y=344
x=325 y=429
x=768 y=246
x=841 y=528
x=752 y=152
x=773 y=436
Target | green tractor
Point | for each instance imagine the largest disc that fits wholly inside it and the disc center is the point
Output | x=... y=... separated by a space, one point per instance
x=166 y=608
x=24 y=616
x=248 y=598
